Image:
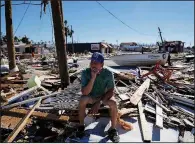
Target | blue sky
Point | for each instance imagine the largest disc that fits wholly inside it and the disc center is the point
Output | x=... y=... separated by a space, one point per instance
x=92 y=23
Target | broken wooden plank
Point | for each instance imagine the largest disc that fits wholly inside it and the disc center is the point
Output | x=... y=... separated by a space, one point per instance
x=184 y=103
x=10 y=122
x=18 y=81
x=179 y=99
x=136 y=97
x=124 y=96
x=175 y=120
x=115 y=88
x=112 y=70
x=159 y=119
x=182 y=111
x=29 y=100
x=160 y=105
x=21 y=124
x=188 y=123
x=44 y=89
x=144 y=126
x=12 y=99
x=159 y=94
x=38 y=114
x=152 y=111
x=12 y=85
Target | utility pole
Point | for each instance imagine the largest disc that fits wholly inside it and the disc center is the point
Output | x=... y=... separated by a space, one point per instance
x=161 y=39
x=72 y=41
x=9 y=34
x=60 y=41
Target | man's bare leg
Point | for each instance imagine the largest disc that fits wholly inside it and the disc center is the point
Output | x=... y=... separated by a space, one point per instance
x=82 y=106
x=113 y=111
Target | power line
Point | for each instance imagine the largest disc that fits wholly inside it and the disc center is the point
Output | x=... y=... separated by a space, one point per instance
x=22 y=18
x=120 y=19
x=21 y=4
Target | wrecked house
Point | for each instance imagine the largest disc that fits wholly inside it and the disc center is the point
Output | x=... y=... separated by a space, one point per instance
x=89 y=47
x=173 y=46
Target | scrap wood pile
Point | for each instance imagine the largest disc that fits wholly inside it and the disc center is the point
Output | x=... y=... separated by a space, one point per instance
x=37 y=109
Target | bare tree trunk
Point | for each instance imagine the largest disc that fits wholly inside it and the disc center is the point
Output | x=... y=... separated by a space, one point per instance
x=9 y=34
x=60 y=42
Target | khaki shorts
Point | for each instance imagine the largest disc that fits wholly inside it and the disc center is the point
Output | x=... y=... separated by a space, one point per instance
x=92 y=100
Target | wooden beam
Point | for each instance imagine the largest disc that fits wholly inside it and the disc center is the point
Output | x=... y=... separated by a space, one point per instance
x=21 y=124
x=159 y=119
x=38 y=114
x=112 y=70
x=188 y=123
x=144 y=126
x=160 y=105
x=152 y=111
x=12 y=85
x=179 y=99
x=124 y=96
x=136 y=97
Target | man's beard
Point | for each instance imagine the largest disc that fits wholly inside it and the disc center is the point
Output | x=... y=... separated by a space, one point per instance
x=96 y=70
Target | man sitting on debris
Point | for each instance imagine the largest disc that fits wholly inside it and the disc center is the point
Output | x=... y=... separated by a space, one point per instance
x=97 y=89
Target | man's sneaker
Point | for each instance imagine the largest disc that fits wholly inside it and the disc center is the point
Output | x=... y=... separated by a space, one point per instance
x=113 y=135
x=80 y=131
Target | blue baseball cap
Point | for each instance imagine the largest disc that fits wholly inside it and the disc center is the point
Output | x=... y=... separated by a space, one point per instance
x=97 y=57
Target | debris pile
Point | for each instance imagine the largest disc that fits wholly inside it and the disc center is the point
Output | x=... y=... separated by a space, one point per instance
x=36 y=110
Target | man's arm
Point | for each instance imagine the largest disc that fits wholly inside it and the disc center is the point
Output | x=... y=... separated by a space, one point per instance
x=87 y=86
x=110 y=88
x=108 y=95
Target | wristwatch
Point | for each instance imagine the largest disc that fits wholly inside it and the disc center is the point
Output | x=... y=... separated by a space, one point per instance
x=101 y=102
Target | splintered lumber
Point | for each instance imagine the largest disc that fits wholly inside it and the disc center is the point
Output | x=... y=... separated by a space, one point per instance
x=38 y=114
x=112 y=70
x=12 y=85
x=22 y=94
x=160 y=105
x=159 y=119
x=180 y=99
x=115 y=88
x=144 y=126
x=44 y=89
x=152 y=111
x=29 y=100
x=21 y=124
x=10 y=122
x=188 y=123
x=136 y=97
x=175 y=120
x=159 y=94
x=124 y=96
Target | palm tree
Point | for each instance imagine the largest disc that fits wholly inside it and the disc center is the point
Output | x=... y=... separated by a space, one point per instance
x=16 y=39
x=25 y=40
x=66 y=27
x=68 y=32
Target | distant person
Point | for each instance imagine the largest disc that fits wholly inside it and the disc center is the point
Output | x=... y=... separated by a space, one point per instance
x=33 y=55
x=32 y=58
x=169 y=60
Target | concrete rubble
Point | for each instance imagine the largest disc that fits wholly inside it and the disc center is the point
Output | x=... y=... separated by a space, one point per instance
x=168 y=103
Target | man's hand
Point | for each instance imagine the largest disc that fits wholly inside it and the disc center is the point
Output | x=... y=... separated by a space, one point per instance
x=95 y=108
x=94 y=73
